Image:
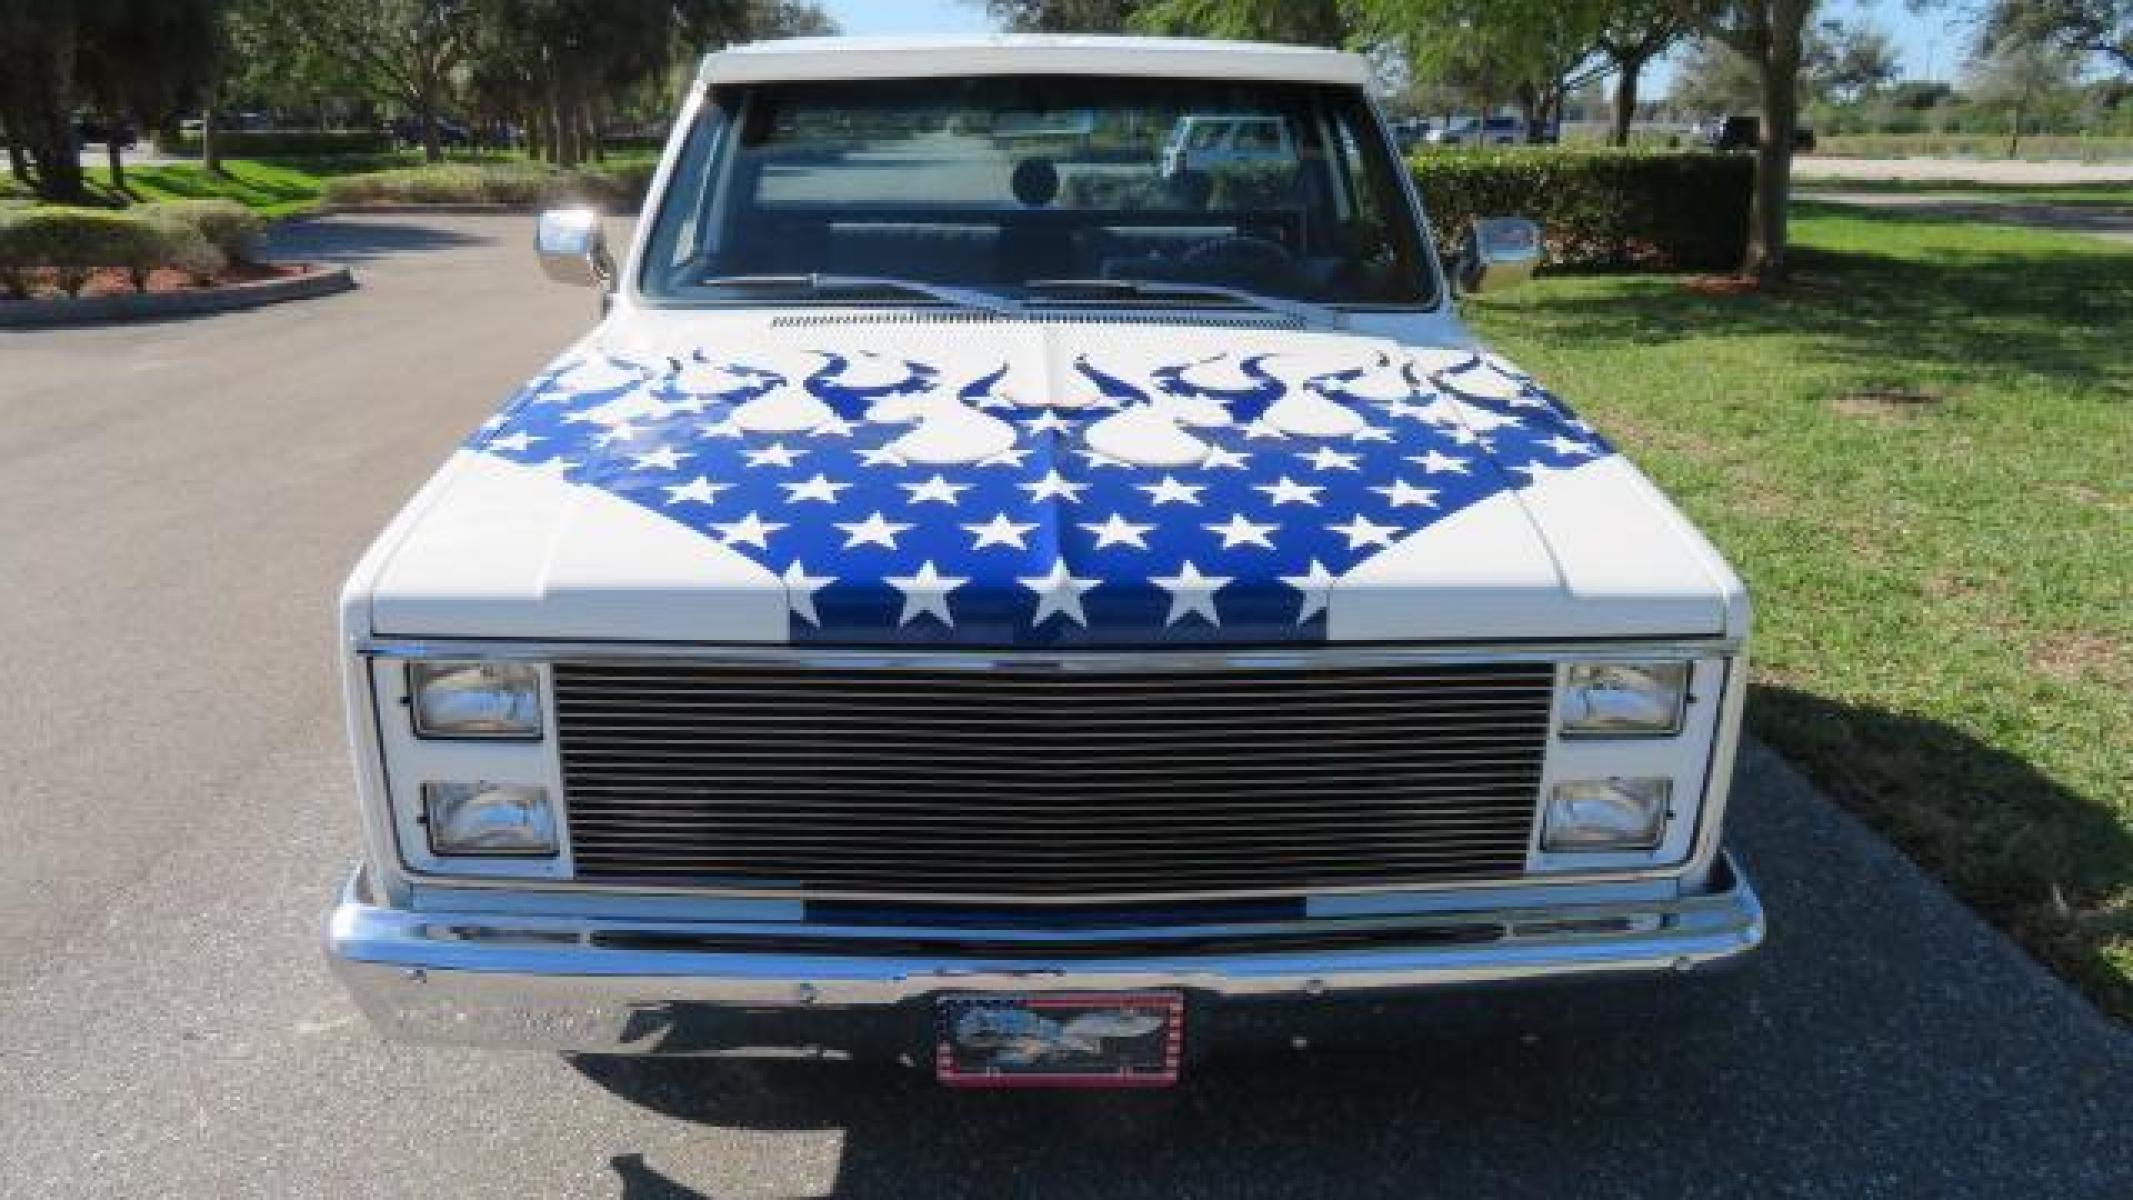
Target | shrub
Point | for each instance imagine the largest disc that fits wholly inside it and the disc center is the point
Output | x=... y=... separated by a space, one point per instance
x=230 y=228
x=280 y=143
x=73 y=243
x=618 y=187
x=1600 y=209
x=194 y=237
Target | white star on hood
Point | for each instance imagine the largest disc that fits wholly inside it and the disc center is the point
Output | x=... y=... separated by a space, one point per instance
x=1191 y=593
x=1240 y=532
x=1059 y=594
x=750 y=530
x=800 y=589
x=821 y=488
x=926 y=593
x=1053 y=484
x=700 y=490
x=876 y=530
x=1317 y=589
x=1000 y=532
x=1362 y=532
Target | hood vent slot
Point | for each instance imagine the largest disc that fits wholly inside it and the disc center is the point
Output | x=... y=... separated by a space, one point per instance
x=1105 y=317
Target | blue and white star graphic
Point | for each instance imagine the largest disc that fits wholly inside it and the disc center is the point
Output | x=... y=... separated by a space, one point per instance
x=1213 y=499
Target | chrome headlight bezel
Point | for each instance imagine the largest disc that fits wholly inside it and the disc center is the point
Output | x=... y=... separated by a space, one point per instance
x=518 y=717
x=1594 y=694
x=445 y=800
x=1653 y=795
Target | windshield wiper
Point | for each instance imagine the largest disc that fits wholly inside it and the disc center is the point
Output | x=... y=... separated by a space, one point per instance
x=819 y=283
x=1309 y=314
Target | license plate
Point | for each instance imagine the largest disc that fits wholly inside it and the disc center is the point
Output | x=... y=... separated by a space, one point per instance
x=1060 y=1039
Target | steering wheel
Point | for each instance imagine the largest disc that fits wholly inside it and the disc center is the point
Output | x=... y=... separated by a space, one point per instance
x=1241 y=251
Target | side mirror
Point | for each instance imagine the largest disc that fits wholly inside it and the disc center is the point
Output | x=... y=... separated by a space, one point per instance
x=572 y=245
x=1499 y=253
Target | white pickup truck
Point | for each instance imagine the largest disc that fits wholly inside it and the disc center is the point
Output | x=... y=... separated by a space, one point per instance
x=1002 y=598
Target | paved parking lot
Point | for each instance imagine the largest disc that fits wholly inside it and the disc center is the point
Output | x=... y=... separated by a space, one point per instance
x=178 y=502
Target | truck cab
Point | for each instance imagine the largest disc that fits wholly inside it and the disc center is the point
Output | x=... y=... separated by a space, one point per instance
x=1027 y=596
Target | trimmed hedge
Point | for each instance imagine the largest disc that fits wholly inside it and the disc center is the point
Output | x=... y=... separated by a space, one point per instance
x=281 y=143
x=618 y=187
x=231 y=228
x=1599 y=209
x=196 y=237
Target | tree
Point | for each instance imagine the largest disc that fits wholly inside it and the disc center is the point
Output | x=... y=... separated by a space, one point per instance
x=140 y=60
x=1853 y=61
x=1635 y=33
x=1772 y=36
x=37 y=93
x=2016 y=76
x=1065 y=16
x=1535 y=51
x=2103 y=28
x=1303 y=22
x=405 y=52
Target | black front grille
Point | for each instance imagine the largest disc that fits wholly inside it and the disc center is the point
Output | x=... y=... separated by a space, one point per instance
x=1045 y=784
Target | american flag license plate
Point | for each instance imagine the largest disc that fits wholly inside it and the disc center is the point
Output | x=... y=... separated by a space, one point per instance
x=1059 y=1039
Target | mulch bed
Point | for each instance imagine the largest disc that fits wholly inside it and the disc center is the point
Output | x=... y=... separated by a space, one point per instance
x=113 y=281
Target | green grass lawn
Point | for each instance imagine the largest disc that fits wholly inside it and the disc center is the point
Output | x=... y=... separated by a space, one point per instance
x=1921 y=458
x=275 y=187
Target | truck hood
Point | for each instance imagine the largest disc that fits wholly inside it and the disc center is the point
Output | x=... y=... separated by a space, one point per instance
x=906 y=479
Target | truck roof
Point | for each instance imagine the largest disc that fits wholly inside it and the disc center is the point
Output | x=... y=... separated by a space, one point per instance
x=1028 y=54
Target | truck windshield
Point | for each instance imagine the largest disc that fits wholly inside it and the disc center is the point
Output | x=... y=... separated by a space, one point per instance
x=1008 y=186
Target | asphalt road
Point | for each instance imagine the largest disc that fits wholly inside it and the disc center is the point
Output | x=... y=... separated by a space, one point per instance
x=1962 y=170
x=2111 y=222
x=178 y=503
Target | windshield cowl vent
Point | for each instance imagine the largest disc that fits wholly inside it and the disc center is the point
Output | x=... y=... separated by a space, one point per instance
x=1108 y=317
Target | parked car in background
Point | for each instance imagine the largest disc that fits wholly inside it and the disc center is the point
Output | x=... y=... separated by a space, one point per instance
x=1207 y=141
x=1494 y=131
x=945 y=615
x=1410 y=134
x=1744 y=132
x=102 y=131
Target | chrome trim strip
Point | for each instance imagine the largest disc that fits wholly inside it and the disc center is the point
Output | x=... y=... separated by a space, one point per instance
x=575 y=984
x=1328 y=656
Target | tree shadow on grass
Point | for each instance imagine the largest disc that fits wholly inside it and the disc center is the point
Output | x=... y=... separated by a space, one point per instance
x=2058 y=311
x=2036 y=858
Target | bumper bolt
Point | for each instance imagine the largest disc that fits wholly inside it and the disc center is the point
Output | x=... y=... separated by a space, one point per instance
x=1314 y=987
x=808 y=994
x=1684 y=965
x=416 y=975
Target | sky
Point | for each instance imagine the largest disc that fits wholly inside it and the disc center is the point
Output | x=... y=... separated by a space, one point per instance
x=1931 y=45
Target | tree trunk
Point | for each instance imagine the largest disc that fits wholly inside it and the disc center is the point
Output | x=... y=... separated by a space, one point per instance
x=432 y=140
x=46 y=114
x=17 y=164
x=2014 y=132
x=1625 y=109
x=115 y=157
x=210 y=139
x=1768 y=229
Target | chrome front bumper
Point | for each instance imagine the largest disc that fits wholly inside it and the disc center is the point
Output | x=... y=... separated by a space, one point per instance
x=622 y=987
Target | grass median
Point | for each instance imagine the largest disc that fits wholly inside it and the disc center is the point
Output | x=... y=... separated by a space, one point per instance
x=1919 y=458
x=280 y=187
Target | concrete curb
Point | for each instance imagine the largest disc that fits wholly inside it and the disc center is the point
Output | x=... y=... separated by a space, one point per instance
x=104 y=310
x=402 y=210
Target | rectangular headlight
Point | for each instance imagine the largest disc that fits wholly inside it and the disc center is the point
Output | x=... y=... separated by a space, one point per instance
x=1615 y=699
x=475 y=699
x=1606 y=814
x=488 y=819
